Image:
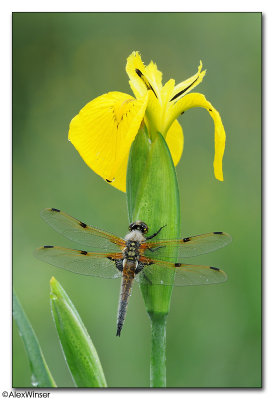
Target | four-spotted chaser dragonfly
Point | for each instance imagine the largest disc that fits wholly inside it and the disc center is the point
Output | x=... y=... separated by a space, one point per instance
x=132 y=258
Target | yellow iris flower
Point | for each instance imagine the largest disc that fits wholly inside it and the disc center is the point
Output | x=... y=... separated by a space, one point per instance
x=105 y=128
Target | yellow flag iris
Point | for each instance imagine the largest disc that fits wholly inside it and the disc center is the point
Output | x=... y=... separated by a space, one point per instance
x=105 y=128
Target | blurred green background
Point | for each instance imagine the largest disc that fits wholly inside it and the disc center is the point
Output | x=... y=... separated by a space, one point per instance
x=61 y=61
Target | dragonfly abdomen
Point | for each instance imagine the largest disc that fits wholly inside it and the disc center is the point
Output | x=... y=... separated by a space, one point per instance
x=127 y=280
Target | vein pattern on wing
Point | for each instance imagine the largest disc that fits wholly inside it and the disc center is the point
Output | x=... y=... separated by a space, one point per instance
x=185 y=274
x=80 y=232
x=81 y=262
x=189 y=247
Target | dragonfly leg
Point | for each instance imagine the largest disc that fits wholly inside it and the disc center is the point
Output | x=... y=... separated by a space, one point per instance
x=139 y=268
x=146 y=278
x=156 y=248
x=155 y=234
x=119 y=265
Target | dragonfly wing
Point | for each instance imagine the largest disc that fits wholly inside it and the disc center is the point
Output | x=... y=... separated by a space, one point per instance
x=80 y=232
x=80 y=261
x=165 y=273
x=188 y=247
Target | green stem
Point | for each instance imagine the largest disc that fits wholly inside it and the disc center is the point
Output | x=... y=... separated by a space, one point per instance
x=158 y=350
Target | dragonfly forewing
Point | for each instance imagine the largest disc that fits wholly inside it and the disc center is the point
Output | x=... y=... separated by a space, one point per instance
x=80 y=232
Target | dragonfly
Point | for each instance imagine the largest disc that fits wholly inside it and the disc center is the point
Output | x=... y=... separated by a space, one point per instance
x=136 y=257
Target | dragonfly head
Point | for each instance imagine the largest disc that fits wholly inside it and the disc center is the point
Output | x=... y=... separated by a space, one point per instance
x=138 y=225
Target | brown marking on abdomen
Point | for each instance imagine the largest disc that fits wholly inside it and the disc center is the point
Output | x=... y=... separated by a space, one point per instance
x=127 y=280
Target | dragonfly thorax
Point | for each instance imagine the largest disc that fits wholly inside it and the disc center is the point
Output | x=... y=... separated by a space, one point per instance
x=131 y=251
x=135 y=236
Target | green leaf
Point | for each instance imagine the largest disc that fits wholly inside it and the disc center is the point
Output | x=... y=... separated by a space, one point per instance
x=41 y=376
x=153 y=197
x=79 y=351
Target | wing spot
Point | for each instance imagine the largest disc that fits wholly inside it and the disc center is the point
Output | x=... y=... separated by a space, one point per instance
x=48 y=247
x=218 y=233
x=55 y=209
x=186 y=240
x=82 y=224
x=84 y=252
x=215 y=269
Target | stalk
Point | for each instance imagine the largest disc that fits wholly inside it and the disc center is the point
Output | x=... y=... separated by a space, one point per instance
x=153 y=197
x=158 y=350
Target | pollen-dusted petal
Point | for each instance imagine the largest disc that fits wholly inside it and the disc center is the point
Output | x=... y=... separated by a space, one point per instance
x=199 y=100
x=104 y=129
x=175 y=141
x=184 y=87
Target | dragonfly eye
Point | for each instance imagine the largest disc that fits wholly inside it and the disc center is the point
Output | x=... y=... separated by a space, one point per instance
x=138 y=225
x=144 y=228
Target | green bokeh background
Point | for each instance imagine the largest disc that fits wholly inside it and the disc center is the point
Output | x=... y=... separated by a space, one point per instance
x=61 y=61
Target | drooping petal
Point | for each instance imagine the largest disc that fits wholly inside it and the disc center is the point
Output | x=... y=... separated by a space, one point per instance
x=175 y=141
x=199 y=100
x=121 y=173
x=103 y=131
x=184 y=87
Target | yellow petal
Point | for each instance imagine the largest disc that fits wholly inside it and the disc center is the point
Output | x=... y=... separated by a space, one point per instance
x=184 y=87
x=153 y=114
x=154 y=77
x=121 y=174
x=103 y=132
x=143 y=78
x=134 y=62
x=199 y=100
x=175 y=141
x=166 y=92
